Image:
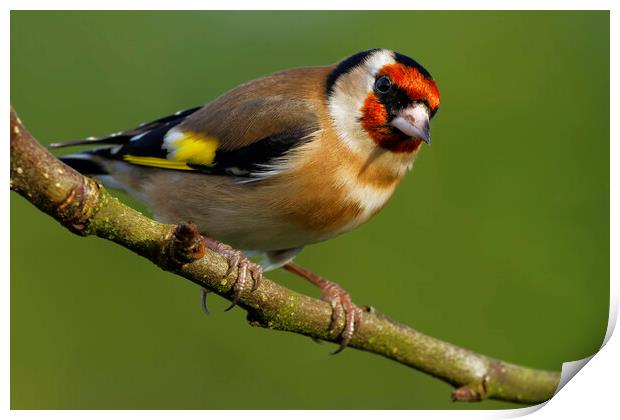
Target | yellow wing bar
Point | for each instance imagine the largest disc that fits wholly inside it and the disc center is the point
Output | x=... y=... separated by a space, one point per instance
x=183 y=148
x=157 y=162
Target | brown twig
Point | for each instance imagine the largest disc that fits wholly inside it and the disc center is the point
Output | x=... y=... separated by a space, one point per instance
x=82 y=205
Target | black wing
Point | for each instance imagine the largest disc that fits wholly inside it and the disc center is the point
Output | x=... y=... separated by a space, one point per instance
x=123 y=137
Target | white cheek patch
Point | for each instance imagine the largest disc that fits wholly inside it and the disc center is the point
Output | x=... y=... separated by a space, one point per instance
x=345 y=105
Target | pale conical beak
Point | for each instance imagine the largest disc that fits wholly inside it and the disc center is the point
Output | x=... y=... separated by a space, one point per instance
x=413 y=121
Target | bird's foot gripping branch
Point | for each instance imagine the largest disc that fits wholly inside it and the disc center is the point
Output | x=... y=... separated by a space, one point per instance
x=85 y=208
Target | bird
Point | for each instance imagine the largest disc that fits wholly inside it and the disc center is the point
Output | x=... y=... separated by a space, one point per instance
x=278 y=163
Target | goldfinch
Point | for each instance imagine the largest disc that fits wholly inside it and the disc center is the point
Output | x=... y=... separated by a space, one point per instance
x=280 y=162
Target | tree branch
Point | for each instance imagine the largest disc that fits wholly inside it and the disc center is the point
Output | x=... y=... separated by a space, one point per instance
x=85 y=207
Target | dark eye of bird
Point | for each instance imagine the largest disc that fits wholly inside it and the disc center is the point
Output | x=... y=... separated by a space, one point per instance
x=383 y=84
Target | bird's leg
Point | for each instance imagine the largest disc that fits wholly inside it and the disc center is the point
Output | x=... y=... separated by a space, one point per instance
x=339 y=300
x=245 y=268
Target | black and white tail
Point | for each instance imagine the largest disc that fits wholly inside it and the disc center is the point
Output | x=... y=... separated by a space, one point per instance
x=89 y=162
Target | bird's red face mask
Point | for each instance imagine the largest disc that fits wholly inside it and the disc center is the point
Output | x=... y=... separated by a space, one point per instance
x=396 y=113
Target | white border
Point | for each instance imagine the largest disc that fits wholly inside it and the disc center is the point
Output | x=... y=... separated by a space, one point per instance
x=313 y=5
x=594 y=393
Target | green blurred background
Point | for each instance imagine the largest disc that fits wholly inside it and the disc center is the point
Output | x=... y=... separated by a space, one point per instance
x=497 y=241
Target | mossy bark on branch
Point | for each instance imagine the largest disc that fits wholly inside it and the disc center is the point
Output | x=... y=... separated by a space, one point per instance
x=85 y=207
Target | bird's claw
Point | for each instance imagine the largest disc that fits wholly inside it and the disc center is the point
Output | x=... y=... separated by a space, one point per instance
x=236 y=260
x=341 y=302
